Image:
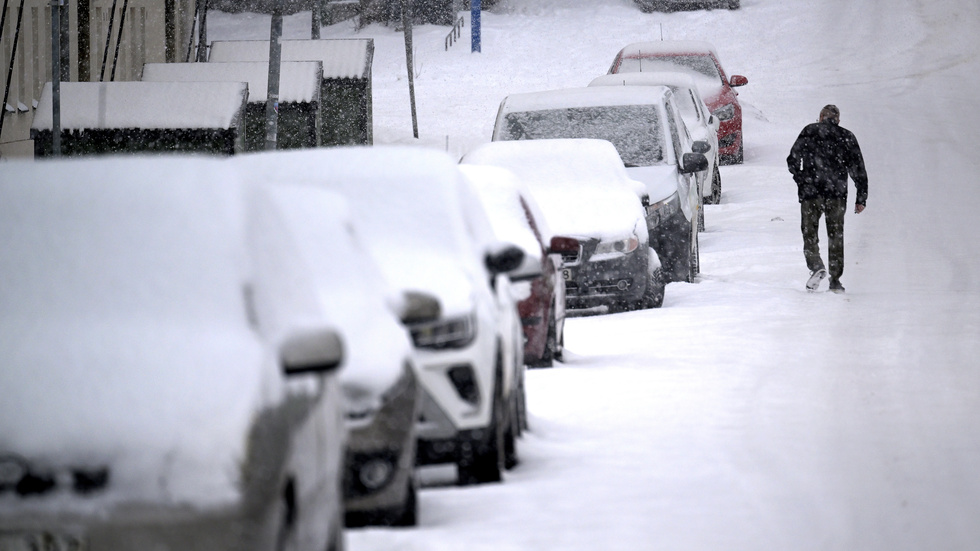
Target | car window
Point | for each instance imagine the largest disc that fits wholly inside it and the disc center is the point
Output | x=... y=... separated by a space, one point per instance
x=635 y=130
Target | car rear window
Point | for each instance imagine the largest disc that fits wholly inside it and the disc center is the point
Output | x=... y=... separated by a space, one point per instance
x=635 y=130
x=700 y=64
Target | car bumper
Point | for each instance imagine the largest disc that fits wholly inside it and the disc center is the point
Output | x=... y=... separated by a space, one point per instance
x=139 y=528
x=612 y=282
x=385 y=444
x=730 y=140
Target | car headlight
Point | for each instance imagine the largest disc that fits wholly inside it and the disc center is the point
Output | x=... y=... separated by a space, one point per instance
x=621 y=246
x=455 y=332
x=725 y=113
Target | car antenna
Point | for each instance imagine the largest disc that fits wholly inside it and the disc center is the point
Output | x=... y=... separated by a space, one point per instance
x=661 y=32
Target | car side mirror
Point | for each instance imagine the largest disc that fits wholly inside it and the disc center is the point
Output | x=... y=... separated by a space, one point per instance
x=693 y=162
x=418 y=307
x=701 y=147
x=738 y=80
x=503 y=259
x=311 y=351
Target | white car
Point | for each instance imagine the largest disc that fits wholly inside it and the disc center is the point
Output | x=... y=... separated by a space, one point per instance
x=701 y=124
x=428 y=232
x=168 y=375
x=591 y=205
x=381 y=392
x=647 y=130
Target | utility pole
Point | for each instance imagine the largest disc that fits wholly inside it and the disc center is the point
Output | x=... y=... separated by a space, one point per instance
x=56 y=78
x=409 y=61
x=272 y=98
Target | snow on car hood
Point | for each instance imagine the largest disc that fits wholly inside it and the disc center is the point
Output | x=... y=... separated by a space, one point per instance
x=435 y=274
x=661 y=181
x=586 y=212
x=166 y=407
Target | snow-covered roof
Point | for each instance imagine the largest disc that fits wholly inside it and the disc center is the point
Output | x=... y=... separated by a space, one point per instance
x=582 y=97
x=672 y=79
x=412 y=206
x=668 y=47
x=87 y=105
x=299 y=81
x=501 y=193
x=341 y=58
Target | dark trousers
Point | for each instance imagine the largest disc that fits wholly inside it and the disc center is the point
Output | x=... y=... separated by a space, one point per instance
x=833 y=212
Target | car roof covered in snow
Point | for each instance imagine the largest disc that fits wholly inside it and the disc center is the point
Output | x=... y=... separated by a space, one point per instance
x=87 y=105
x=582 y=97
x=341 y=57
x=672 y=79
x=668 y=47
x=299 y=81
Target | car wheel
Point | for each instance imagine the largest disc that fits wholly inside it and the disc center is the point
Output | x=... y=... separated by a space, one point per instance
x=550 y=344
x=701 y=215
x=407 y=513
x=481 y=458
x=715 y=197
x=694 y=258
x=654 y=295
x=510 y=434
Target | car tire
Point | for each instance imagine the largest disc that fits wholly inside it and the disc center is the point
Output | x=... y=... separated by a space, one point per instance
x=733 y=4
x=694 y=258
x=715 y=197
x=407 y=514
x=511 y=433
x=550 y=344
x=481 y=458
x=653 y=297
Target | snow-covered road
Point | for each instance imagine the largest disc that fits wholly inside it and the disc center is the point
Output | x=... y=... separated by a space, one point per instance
x=745 y=414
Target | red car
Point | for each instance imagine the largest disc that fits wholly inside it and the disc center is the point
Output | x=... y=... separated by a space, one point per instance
x=541 y=292
x=701 y=61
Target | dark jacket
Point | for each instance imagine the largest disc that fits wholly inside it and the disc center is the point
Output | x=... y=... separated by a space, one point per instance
x=822 y=158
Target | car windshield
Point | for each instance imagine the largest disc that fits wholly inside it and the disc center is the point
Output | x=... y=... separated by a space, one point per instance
x=635 y=130
x=699 y=63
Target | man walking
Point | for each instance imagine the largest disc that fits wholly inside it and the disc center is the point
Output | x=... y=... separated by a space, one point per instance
x=821 y=160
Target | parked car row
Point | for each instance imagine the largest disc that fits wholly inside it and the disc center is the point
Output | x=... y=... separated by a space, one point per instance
x=650 y=108
x=253 y=352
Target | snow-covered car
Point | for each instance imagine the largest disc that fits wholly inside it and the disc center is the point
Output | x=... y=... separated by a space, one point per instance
x=168 y=369
x=700 y=60
x=648 y=6
x=647 y=130
x=591 y=205
x=517 y=218
x=701 y=124
x=423 y=224
x=381 y=395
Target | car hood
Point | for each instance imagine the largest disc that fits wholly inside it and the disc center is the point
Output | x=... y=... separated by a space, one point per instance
x=589 y=212
x=454 y=281
x=164 y=408
x=662 y=181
